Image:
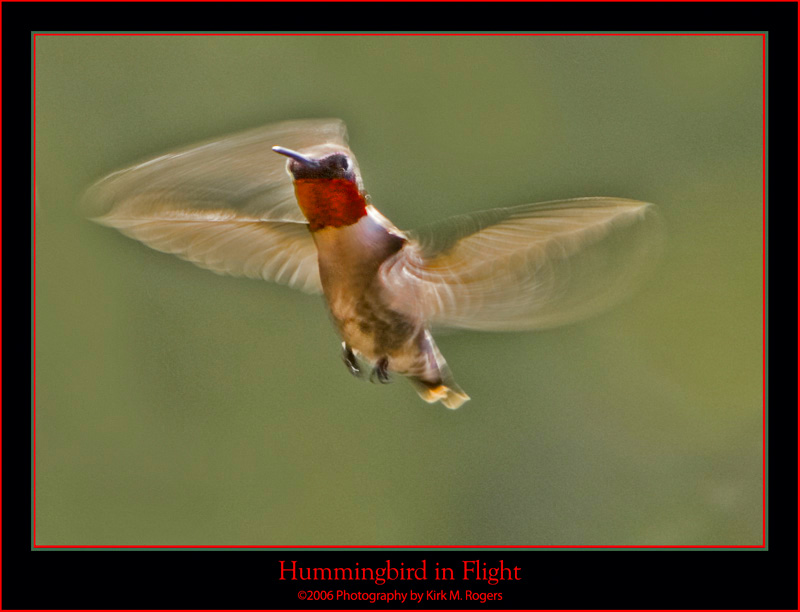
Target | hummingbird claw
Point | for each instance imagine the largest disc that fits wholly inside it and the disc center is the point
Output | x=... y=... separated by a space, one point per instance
x=381 y=372
x=350 y=361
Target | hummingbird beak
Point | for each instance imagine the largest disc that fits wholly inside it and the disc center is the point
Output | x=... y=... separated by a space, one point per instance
x=306 y=161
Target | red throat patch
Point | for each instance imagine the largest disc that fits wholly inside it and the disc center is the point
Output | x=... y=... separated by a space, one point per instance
x=329 y=202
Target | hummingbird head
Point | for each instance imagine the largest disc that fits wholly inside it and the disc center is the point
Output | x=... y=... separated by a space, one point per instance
x=332 y=165
x=327 y=186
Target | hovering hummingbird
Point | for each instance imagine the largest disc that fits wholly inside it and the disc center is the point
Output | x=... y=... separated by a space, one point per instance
x=286 y=203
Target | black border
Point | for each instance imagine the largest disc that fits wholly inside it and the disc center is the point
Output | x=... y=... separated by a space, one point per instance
x=553 y=579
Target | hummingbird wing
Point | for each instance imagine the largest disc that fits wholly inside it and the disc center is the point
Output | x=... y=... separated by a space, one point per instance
x=226 y=204
x=527 y=267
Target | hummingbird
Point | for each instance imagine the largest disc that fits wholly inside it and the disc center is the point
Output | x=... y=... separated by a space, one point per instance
x=286 y=203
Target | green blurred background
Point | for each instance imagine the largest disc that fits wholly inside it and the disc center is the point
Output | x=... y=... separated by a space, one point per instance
x=175 y=406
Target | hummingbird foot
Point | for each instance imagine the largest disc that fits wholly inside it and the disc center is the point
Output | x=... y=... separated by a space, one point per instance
x=350 y=361
x=381 y=371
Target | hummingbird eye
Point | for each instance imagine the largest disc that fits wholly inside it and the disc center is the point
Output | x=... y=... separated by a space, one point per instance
x=337 y=165
x=339 y=161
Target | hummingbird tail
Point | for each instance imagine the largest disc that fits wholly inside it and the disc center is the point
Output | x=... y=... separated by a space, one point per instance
x=434 y=381
x=451 y=396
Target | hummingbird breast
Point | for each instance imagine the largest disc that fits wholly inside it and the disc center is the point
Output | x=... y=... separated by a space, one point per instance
x=349 y=259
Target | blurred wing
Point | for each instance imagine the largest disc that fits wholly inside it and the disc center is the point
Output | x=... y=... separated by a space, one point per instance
x=227 y=205
x=528 y=267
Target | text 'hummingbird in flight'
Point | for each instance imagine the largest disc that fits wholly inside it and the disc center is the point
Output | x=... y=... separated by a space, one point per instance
x=286 y=203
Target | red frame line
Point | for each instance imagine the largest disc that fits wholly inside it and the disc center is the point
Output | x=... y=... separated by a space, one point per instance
x=411 y=546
